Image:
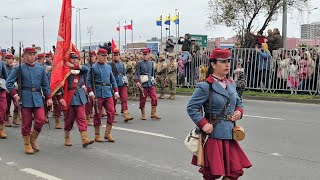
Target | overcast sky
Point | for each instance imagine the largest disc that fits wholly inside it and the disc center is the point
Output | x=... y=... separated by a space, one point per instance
x=104 y=15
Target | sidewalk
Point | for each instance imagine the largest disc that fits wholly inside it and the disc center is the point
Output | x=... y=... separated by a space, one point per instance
x=269 y=98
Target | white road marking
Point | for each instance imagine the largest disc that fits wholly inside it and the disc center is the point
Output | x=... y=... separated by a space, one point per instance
x=275 y=154
x=142 y=132
x=10 y=164
x=39 y=174
x=262 y=117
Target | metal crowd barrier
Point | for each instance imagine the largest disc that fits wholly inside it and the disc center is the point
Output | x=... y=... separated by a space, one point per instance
x=279 y=75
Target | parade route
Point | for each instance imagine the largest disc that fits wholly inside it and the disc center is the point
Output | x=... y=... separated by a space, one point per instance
x=280 y=142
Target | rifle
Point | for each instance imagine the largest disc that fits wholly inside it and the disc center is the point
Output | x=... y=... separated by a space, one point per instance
x=200 y=157
x=19 y=104
x=95 y=101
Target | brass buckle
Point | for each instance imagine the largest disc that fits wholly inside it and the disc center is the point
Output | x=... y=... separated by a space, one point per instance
x=104 y=84
x=228 y=117
x=33 y=89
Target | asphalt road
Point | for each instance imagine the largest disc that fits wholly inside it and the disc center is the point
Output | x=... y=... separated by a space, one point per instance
x=281 y=142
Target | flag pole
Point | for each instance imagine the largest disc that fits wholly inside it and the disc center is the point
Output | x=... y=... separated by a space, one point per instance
x=179 y=24
x=119 y=35
x=169 y=25
x=161 y=35
x=132 y=34
x=125 y=35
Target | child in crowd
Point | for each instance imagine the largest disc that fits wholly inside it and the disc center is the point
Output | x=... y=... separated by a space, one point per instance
x=239 y=78
x=181 y=74
x=293 y=76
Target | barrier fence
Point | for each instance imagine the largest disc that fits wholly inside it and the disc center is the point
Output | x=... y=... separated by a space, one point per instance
x=295 y=70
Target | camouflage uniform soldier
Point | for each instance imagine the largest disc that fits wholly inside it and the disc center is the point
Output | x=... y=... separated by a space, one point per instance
x=136 y=93
x=130 y=70
x=172 y=76
x=161 y=75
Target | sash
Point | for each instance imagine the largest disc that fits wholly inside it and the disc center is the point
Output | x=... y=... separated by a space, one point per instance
x=69 y=93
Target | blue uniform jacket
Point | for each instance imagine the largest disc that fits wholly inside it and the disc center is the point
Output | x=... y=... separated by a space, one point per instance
x=34 y=83
x=104 y=80
x=49 y=73
x=144 y=68
x=223 y=129
x=3 y=72
x=119 y=72
x=79 y=96
x=9 y=69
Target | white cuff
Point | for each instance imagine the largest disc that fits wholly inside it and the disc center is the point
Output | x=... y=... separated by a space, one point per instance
x=116 y=93
x=15 y=95
x=83 y=86
x=91 y=93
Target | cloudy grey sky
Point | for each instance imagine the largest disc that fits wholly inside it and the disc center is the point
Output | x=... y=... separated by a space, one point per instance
x=104 y=15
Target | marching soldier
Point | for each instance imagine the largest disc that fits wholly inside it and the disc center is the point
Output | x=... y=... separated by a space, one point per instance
x=103 y=81
x=9 y=66
x=33 y=81
x=40 y=59
x=119 y=72
x=3 y=99
x=135 y=88
x=130 y=70
x=76 y=101
x=172 y=76
x=161 y=75
x=144 y=78
x=89 y=104
x=57 y=109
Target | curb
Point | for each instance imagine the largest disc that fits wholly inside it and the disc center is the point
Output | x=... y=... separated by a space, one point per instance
x=263 y=98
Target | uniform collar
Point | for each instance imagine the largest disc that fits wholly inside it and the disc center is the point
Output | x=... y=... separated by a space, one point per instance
x=31 y=65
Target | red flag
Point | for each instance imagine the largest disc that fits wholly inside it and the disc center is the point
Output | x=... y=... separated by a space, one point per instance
x=113 y=45
x=129 y=26
x=118 y=28
x=62 y=54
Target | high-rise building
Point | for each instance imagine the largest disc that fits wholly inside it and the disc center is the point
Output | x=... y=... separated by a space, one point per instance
x=310 y=31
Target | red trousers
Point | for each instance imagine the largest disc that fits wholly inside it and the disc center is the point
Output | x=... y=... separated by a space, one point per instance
x=38 y=116
x=151 y=91
x=75 y=113
x=9 y=100
x=57 y=107
x=108 y=105
x=89 y=106
x=123 y=97
x=3 y=106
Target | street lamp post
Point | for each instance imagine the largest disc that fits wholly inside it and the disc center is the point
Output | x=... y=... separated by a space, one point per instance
x=79 y=9
x=11 y=27
x=43 y=36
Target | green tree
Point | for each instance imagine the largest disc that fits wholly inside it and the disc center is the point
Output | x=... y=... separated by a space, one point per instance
x=242 y=15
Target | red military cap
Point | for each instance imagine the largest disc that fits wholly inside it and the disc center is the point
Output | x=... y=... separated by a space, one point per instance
x=41 y=55
x=220 y=54
x=102 y=51
x=116 y=51
x=146 y=51
x=30 y=50
x=9 y=56
x=92 y=53
x=49 y=54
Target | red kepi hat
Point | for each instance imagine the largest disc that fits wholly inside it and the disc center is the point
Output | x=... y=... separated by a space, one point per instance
x=102 y=51
x=220 y=54
x=9 y=56
x=29 y=50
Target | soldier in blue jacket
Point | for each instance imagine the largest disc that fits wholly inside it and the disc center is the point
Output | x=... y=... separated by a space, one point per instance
x=3 y=99
x=119 y=72
x=104 y=84
x=76 y=101
x=9 y=67
x=144 y=78
x=223 y=155
x=89 y=104
x=34 y=81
